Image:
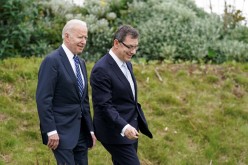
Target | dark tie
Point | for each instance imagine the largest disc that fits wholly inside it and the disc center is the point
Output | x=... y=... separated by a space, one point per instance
x=79 y=77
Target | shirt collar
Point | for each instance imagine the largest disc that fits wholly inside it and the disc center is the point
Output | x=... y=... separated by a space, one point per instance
x=117 y=60
x=68 y=53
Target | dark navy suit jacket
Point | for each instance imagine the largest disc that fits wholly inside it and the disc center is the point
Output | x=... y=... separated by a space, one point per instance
x=113 y=102
x=58 y=101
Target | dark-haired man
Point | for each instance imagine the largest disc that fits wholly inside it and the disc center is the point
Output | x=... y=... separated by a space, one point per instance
x=118 y=116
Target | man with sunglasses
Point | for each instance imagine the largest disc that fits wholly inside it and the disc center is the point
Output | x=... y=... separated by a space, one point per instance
x=118 y=116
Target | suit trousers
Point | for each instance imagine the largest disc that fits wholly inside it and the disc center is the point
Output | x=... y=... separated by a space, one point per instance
x=75 y=156
x=123 y=154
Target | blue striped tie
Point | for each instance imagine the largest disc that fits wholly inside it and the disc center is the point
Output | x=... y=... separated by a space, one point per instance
x=79 y=77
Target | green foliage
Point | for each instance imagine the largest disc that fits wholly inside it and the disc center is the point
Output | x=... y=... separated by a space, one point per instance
x=240 y=33
x=170 y=30
x=30 y=27
x=103 y=18
x=175 y=30
x=13 y=28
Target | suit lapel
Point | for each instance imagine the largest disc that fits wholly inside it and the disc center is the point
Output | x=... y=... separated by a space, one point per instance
x=69 y=69
x=120 y=74
x=133 y=77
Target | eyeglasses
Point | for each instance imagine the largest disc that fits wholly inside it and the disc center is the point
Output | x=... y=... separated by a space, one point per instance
x=130 y=47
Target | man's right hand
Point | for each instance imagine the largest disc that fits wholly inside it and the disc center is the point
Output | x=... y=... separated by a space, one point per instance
x=53 y=141
x=131 y=133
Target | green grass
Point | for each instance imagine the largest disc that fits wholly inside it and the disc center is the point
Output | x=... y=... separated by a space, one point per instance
x=197 y=113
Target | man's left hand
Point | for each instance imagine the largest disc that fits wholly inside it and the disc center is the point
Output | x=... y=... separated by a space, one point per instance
x=93 y=140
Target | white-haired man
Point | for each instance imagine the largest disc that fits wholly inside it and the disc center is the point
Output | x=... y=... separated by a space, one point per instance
x=62 y=99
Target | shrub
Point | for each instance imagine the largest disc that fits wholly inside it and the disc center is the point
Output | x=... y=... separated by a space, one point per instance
x=169 y=30
x=30 y=27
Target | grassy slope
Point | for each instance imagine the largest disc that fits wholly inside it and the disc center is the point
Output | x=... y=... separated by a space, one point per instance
x=197 y=113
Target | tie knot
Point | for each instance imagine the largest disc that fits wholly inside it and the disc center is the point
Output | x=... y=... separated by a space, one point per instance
x=76 y=59
x=124 y=65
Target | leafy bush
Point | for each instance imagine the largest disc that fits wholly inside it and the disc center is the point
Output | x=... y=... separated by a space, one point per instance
x=30 y=27
x=240 y=33
x=13 y=29
x=174 y=30
x=170 y=30
x=178 y=30
x=103 y=18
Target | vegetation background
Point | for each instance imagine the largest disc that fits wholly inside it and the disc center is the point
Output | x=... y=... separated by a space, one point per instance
x=191 y=70
x=170 y=29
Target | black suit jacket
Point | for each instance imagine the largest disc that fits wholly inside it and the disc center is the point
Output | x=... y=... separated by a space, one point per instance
x=113 y=102
x=58 y=100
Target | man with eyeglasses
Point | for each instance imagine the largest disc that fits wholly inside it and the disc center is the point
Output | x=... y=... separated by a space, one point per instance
x=118 y=116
